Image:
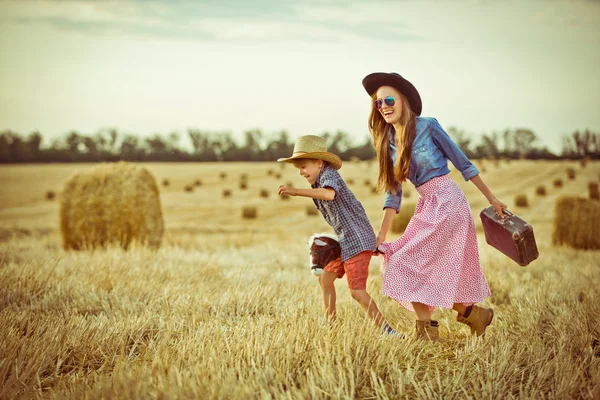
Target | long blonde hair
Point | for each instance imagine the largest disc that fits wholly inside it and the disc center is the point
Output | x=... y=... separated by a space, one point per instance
x=390 y=175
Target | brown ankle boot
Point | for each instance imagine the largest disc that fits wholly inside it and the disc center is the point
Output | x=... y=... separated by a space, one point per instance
x=427 y=330
x=479 y=319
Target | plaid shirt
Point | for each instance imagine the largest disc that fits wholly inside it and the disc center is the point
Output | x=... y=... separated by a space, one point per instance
x=345 y=214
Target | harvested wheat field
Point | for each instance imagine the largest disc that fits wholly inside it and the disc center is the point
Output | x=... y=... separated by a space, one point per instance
x=227 y=306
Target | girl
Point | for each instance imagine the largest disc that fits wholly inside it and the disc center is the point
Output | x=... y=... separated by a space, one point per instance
x=435 y=263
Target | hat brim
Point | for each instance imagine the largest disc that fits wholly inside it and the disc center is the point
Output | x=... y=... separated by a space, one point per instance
x=374 y=81
x=331 y=158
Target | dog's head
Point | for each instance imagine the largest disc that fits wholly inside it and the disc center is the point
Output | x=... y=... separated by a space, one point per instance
x=323 y=248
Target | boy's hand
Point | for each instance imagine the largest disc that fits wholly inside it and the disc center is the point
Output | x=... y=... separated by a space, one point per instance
x=286 y=189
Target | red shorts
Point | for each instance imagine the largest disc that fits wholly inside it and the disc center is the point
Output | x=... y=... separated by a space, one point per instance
x=356 y=268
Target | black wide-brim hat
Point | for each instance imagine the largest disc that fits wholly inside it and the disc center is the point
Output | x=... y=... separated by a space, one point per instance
x=374 y=81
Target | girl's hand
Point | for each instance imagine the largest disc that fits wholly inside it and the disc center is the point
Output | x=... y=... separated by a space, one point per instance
x=499 y=207
x=380 y=239
x=286 y=189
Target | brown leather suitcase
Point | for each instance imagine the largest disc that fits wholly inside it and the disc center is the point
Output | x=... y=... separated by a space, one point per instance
x=511 y=235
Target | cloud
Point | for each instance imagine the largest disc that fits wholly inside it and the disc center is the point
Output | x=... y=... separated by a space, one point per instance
x=237 y=20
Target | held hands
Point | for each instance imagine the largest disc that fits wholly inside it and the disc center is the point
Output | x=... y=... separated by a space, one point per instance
x=499 y=207
x=287 y=189
x=380 y=239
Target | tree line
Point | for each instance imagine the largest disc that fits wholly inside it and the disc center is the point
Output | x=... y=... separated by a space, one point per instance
x=112 y=145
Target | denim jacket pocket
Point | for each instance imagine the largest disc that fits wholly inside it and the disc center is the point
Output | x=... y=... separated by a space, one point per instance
x=421 y=156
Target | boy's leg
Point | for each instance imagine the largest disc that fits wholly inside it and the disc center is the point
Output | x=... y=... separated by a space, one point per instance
x=326 y=281
x=357 y=271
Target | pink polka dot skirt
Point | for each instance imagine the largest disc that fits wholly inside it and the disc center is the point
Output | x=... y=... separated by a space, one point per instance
x=435 y=261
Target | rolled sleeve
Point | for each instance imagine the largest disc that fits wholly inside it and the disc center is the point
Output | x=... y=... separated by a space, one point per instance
x=452 y=151
x=330 y=180
x=393 y=199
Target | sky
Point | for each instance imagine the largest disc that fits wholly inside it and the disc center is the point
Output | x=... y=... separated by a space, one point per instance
x=158 y=66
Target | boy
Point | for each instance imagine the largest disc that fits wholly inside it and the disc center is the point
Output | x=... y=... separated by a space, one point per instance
x=347 y=217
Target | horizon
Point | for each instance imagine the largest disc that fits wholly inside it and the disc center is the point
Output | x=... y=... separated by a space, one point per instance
x=154 y=66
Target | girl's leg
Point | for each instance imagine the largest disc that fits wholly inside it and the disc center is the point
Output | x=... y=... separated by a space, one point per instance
x=326 y=281
x=368 y=304
x=459 y=308
x=422 y=311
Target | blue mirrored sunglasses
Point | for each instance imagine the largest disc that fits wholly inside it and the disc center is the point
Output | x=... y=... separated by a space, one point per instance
x=390 y=101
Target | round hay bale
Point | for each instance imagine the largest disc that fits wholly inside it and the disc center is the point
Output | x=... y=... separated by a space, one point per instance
x=350 y=181
x=557 y=183
x=249 y=212
x=401 y=220
x=50 y=195
x=374 y=190
x=243 y=185
x=269 y=172
x=593 y=191
x=483 y=170
x=278 y=175
x=584 y=161
x=367 y=182
x=188 y=188
x=226 y=193
x=223 y=175
x=540 y=190
x=197 y=182
x=166 y=182
x=576 y=222
x=521 y=201
x=264 y=193
x=406 y=194
x=312 y=210
x=285 y=196
x=244 y=177
x=570 y=173
x=109 y=204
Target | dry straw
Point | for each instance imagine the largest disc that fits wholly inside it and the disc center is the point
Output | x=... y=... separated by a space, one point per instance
x=50 y=195
x=108 y=204
x=401 y=220
x=570 y=173
x=593 y=191
x=540 y=190
x=557 y=183
x=521 y=201
x=249 y=212
x=576 y=222
x=311 y=210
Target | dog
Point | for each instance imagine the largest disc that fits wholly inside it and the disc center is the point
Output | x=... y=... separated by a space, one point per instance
x=323 y=248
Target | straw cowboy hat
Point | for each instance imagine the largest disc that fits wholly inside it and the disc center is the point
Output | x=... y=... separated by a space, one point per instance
x=313 y=147
x=374 y=81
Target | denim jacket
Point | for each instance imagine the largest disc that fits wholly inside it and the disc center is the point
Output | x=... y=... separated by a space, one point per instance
x=431 y=150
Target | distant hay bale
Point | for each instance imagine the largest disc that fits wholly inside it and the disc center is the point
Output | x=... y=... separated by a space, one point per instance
x=249 y=212
x=243 y=185
x=401 y=220
x=311 y=210
x=521 y=200
x=278 y=176
x=584 y=161
x=557 y=183
x=244 y=177
x=285 y=196
x=223 y=175
x=540 y=190
x=264 y=193
x=226 y=193
x=198 y=182
x=115 y=203
x=593 y=191
x=374 y=190
x=483 y=170
x=269 y=172
x=188 y=188
x=166 y=182
x=350 y=181
x=570 y=173
x=50 y=195
x=576 y=222
x=367 y=182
